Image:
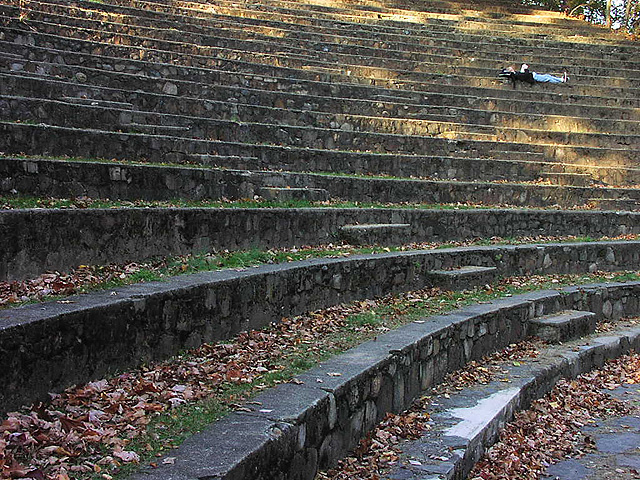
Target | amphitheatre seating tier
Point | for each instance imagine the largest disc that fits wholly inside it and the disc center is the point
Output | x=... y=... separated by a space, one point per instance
x=391 y=106
x=154 y=320
x=240 y=38
x=356 y=64
x=138 y=182
x=301 y=128
x=133 y=234
x=177 y=66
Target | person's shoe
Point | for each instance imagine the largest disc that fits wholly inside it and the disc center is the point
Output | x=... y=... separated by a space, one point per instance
x=565 y=78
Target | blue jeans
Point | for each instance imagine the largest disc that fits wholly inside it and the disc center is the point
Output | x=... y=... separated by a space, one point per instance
x=546 y=78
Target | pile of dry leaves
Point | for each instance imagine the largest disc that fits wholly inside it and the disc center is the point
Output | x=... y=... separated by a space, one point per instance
x=87 y=429
x=550 y=429
x=56 y=284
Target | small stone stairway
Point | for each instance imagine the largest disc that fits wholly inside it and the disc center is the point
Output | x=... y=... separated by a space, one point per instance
x=293 y=193
x=371 y=234
x=563 y=326
x=462 y=278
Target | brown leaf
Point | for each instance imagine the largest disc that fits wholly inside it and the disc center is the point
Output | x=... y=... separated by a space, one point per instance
x=126 y=456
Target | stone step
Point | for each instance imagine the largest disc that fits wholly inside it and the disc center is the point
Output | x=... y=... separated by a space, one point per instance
x=327 y=70
x=323 y=62
x=455 y=134
x=516 y=155
x=435 y=107
x=226 y=22
x=562 y=326
x=98 y=102
x=293 y=193
x=231 y=161
x=241 y=33
x=269 y=78
x=462 y=278
x=13 y=56
x=565 y=178
x=358 y=133
x=377 y=233
x=156 y=129
x=615 y=203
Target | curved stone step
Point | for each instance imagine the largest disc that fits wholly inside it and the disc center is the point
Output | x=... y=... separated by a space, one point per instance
x=98 y=102
x=375 y=233
x=562 y=326
x=462 y=278
x=156 y=129
x=293 y=193
x=211 y=299
x=311 y=426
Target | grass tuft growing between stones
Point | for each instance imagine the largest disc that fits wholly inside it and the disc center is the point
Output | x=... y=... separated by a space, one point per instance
x=24 y=202
x=92 y=278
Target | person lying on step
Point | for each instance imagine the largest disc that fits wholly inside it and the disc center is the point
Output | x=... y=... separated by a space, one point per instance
x=527 y=76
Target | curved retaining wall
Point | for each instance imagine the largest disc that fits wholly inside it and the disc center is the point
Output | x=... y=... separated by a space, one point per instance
x=49 y=346
x=310 y=425
x=33 y=240
x=55 y=178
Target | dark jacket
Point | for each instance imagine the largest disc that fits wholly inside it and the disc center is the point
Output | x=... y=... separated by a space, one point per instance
x=514 y=77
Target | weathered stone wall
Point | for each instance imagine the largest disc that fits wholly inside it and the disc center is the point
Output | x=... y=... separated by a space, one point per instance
x=32 y=241
x=306 y=128
x=131 y=182
x=48 y=346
